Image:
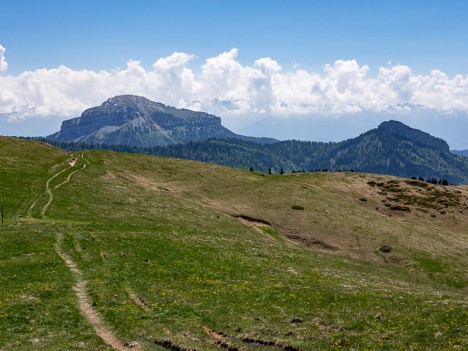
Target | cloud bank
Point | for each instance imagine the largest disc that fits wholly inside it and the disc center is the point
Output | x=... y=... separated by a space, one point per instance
x=224 y=86
x=3 y=63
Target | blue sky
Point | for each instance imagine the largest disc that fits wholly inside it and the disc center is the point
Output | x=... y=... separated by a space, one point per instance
x=246 y=61
x=101 y=34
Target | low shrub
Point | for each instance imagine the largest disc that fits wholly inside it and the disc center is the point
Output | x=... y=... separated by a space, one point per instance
x=400 y=208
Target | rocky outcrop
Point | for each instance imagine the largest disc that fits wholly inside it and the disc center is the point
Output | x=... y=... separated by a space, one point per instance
x=137 y=121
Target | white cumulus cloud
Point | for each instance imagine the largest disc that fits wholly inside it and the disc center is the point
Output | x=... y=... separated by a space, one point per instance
x=3 y=63
x=224 y=86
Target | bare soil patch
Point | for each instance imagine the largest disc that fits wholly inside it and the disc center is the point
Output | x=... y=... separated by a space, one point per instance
x=138 y=300
x=254 y=221
x=311 y=242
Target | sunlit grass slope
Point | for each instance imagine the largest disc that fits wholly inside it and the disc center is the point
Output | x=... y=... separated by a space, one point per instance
x=24 y=166
x=182 y=255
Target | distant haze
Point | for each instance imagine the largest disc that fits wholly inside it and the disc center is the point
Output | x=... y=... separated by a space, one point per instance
x=452 y=128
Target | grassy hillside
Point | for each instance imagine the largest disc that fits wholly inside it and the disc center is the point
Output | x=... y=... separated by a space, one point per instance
x=23 y=168
x=125 y=251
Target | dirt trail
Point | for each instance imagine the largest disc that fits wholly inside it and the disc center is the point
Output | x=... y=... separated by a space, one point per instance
x=48 y=190
x=85 y=305
x=69 y=176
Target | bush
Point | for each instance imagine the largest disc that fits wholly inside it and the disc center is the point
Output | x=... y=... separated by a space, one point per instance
x=416 y=183
x=297 y=207
x=385 y=248
x=400 y=208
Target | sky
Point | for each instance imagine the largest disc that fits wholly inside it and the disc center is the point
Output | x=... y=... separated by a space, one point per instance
x=250 y=62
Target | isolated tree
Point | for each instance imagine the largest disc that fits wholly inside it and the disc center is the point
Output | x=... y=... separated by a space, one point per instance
x=251 y=169
x=269 y=170
x=281 y=170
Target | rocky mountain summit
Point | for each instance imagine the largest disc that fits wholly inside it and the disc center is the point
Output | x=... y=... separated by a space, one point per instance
x=137 y=121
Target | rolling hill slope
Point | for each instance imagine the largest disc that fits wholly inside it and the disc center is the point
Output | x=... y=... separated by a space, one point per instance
x=121 y=251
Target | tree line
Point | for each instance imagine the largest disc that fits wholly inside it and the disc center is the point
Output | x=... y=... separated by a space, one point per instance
x=366 y=153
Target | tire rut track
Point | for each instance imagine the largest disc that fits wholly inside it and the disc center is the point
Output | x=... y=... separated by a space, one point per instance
x=49 y=191
x=69 y=177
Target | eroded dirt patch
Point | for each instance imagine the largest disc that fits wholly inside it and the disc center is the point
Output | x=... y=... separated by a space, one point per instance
x=169 y=345
x=223 y=341
x=138 y=300
x=309 y=241
x=253 y=221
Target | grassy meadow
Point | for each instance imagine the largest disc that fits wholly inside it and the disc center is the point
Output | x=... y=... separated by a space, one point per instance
x=182 y=255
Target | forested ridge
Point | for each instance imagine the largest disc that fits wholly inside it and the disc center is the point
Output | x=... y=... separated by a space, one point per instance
x=377 y=151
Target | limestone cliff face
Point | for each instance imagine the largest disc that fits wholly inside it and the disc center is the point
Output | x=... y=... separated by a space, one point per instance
x=137 y=121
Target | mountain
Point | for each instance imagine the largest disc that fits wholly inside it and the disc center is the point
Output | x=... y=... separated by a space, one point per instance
x=451 y=127
x=393 y=148
x=136 y=124
x=137 y=121
x=403 y=132
x=460 y=152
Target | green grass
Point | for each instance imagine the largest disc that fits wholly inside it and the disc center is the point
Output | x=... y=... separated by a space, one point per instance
x=37 y=304
x=24 y=166
x=166 y=231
